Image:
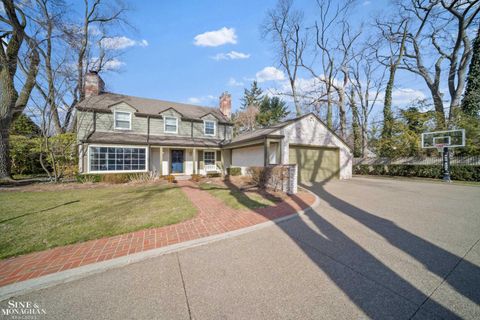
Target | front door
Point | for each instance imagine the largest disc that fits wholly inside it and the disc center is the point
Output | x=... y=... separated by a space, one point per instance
x=177 y=161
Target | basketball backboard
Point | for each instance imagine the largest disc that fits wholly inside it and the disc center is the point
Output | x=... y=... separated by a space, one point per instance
x=446 y=138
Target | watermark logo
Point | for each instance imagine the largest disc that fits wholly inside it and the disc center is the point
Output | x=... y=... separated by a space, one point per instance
x=23 y=310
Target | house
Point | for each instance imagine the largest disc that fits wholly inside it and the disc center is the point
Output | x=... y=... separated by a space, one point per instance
x=118 y=133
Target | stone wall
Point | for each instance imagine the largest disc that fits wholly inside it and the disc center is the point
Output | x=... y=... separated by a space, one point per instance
x=283 y=178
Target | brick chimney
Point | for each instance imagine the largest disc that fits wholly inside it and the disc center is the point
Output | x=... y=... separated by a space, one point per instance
x=94 y=85
x=226 y=104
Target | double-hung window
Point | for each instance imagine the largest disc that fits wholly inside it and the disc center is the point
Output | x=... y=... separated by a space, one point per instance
x=105 y=159
x=123 y=120
x=171 y=124
x=209 y=157
x=209 y=127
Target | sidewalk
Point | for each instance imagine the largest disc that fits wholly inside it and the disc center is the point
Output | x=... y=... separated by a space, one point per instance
x=213 y=217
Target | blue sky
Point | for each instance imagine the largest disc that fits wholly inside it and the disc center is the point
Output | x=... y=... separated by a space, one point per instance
x=174 y=66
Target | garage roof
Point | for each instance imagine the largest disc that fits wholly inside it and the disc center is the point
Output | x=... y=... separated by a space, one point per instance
x=270 y=131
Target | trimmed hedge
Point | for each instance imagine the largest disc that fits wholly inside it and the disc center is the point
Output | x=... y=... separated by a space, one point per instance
x=234 y=171
x=457 y=172
x=112 y=178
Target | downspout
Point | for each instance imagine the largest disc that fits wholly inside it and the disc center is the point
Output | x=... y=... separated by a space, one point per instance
x=148 y=141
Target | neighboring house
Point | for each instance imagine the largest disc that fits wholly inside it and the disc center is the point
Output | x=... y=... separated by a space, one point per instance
x=119 y=133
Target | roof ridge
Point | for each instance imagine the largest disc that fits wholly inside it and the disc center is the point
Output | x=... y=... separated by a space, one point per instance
x=159 y=100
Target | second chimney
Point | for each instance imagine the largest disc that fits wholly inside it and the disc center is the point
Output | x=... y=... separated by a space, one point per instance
x=226 y=104
x=94 y=85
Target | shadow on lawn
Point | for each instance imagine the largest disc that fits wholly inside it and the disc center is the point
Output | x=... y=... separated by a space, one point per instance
x=344 y=261
x=40 y=211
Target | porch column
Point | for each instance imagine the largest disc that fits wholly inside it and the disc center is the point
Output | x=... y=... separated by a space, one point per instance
x=194 y=158
x=160 y=170
x=266 y=147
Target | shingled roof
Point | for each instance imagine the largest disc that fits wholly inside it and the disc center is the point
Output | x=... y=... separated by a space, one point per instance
x=105 y=100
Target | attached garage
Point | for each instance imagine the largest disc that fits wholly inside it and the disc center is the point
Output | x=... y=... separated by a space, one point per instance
x=315 y=164
x=319 y=153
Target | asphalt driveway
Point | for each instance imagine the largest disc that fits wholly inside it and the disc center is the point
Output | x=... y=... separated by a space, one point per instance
x=373 y=248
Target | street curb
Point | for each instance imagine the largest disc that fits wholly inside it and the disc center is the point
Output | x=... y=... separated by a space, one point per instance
x=54 y=279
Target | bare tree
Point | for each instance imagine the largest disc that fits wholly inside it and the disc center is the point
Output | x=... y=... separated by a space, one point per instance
x=395 y=49
x=367 y=80
x=12 y=102
x=284 y=26
x=334 y=42
x=438 y=32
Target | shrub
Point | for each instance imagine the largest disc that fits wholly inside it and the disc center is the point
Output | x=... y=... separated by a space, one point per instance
x=214 y=174
x=88 y=178
x=260 y=176
x=196 y=177
x=234 y=171
x=457 y=172
x=170 y=178
x=143 y=176
x=115 y=178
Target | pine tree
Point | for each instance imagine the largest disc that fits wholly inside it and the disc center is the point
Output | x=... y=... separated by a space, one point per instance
x=252 y=97
x=471 y=100
x=271 y=111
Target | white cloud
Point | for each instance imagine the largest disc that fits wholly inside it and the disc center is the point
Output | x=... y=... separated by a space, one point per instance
x=118 y=43
x=403 y=96
x=232 y=82
x=208 y=99
x=232 y=55
x=110 y=65
x=269 y=74
x=216 y=38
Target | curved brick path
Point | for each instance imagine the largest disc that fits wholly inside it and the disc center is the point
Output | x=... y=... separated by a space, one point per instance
x=213 y=217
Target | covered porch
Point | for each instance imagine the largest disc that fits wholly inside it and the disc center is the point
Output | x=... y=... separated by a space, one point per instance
x=166 y=160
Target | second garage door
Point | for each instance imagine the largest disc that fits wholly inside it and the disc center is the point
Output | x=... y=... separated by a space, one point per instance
x=315 y=164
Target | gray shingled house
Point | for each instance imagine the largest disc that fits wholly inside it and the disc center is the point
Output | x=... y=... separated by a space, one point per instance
x=119 y=133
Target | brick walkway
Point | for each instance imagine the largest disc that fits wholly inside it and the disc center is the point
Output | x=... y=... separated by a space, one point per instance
x=213 y=217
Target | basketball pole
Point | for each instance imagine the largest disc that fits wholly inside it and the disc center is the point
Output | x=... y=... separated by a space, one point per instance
x=446 y=164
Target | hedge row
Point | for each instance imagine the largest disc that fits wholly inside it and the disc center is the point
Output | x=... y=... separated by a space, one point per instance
x=457 y=172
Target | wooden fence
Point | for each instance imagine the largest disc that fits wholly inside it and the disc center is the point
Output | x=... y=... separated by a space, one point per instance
x=456 y=160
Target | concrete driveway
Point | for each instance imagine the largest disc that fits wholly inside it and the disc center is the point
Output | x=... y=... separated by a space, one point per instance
x=373 y=248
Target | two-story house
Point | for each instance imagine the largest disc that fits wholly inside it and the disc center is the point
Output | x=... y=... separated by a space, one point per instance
x=119 y=133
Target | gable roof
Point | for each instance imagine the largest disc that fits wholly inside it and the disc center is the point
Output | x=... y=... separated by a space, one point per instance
x=146 y=106
x=265 y=132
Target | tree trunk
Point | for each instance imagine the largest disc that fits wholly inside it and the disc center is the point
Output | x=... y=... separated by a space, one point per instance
x=471 y=101
x=5 y=163
x=342 y=113
x=357 y=135
x=387 y=107
x=329 y=111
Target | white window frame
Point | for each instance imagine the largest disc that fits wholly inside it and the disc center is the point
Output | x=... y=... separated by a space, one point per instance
x=214 y=156
x=165 y=124
x=214 y=128
x=115 y=120
x=147 y=158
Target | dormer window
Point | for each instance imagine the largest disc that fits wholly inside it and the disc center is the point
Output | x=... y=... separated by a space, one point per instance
x=209 y=127
x=123 y=120
x=170 y=124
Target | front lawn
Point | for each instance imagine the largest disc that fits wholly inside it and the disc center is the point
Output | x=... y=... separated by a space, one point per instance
x=238 y=199
x=34 y=221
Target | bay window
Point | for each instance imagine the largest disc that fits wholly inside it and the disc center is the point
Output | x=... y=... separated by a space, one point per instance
x=105 y=159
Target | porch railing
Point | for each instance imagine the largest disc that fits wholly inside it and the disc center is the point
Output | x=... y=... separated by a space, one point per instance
x=211 y=168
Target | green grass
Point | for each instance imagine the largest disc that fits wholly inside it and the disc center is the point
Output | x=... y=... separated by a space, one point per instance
x=34 y=221
x=237 y=199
